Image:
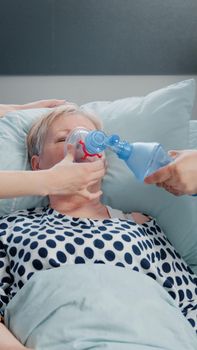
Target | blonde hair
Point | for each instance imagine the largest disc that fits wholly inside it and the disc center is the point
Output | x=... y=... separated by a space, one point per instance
x=38 y=131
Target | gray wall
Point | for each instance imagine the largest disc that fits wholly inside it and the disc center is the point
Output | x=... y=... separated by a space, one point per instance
x=98 y=37
x=81 y=89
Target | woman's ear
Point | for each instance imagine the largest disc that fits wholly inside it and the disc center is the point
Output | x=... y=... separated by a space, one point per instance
x=35 y=162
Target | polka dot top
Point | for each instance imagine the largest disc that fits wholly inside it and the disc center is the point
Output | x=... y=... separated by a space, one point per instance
x=41 y=238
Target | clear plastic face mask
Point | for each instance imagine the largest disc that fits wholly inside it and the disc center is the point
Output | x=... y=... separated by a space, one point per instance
x=76 y=138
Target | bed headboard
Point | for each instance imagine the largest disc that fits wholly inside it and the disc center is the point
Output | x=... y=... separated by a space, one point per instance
x=98 y=37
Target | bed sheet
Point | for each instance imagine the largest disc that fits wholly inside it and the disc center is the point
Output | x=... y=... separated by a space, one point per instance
x=81 y=307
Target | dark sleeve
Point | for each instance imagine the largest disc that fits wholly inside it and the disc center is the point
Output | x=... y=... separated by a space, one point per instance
x=5 y=277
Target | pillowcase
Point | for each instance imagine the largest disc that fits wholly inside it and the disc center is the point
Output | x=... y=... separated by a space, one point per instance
x=193 y=134
x=14 y=128
x=193 y=145
x=161 y=116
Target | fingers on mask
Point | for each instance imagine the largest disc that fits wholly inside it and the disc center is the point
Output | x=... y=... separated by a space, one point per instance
x=70 y=152
x=174 y=153
x=88 y=195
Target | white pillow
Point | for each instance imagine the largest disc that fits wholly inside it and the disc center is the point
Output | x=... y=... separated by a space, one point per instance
x=161 y=116
x=193 y=134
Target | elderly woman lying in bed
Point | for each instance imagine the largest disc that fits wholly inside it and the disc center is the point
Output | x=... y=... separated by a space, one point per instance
x=76 y=230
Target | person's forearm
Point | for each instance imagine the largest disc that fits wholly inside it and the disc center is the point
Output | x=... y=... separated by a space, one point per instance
x=8 y=341
x=8 y=108
x=23 y=183
x=36 y=104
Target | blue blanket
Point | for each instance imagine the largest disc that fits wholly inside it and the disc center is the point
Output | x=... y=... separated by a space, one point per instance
x=82 y=307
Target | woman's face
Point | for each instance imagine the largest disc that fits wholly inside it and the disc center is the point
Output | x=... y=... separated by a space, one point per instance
x=53 y=148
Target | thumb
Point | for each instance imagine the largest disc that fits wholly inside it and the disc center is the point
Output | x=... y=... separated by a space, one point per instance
x=174 y=153
x=70 y=152
x=56 y=103
x=161 y=175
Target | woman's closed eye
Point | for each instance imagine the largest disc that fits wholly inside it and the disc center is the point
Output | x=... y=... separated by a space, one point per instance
x=62 y=139
x=62 y=136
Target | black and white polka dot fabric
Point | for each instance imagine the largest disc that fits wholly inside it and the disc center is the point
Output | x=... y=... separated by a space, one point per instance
x=42 y=238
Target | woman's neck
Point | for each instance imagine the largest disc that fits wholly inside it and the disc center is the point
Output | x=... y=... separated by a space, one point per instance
x=79 y=207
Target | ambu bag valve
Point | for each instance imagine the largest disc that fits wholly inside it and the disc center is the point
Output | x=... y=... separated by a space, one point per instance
x=143 y=158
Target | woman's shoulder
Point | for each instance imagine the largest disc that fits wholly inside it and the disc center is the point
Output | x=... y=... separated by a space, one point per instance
x=22 y=213
x=140 y=218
